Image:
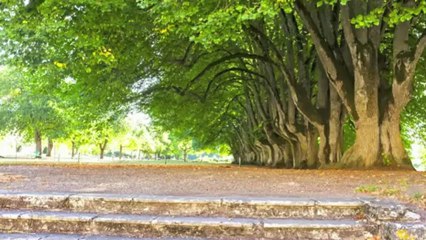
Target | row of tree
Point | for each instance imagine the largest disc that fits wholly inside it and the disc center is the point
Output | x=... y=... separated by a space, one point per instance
x=61 y=82
x=289 y=74
x=281 y=82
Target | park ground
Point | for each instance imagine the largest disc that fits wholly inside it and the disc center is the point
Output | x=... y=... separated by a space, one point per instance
x=214 y=180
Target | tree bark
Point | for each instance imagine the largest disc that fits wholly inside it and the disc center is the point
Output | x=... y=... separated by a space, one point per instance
x=37 y=138
x=366 y=150
x=392 y=147
x=74 y=149
x=102 y=147
x=49 y=147
x=297 y=154
x=121 y=152
x=335 y=126
x=312 y=147
x=185 y=155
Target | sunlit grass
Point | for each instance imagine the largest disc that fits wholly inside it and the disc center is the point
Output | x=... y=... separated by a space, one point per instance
x=12 y=161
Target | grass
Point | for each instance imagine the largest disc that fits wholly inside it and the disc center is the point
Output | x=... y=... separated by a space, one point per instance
x=397 y=190
x=418 y=197
x=97 y=162
x=368 y=189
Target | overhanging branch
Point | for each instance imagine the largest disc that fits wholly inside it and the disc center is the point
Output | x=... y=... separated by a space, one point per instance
x=223 y=60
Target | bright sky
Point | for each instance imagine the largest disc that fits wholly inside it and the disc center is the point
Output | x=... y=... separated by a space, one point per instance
x=135 y=118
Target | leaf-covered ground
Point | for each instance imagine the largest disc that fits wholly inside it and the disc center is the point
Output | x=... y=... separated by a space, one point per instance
x=8 y=178
x=215 y=180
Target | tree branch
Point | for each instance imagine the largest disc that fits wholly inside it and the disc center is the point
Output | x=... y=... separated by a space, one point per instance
x=420 y=47
x=323 y=49
x=234 y=69
x=186 y=54
x=335 y=69
x=348 y=29
x=267 y=39
x=223 y=60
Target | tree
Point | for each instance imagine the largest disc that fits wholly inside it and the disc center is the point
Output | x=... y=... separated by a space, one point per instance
x=374 y=58
x=373 y=70
x=105 y=129
x=28 y=109
x=254 y=72
x=91 y=64
x=185 y=146
x=268 y=78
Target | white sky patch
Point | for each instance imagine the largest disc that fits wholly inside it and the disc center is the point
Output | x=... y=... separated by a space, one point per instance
x=143 y=84
x=69 y=80
x=136 y=118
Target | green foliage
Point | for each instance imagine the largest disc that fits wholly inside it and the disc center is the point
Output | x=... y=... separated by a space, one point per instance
x=386 y=160
x=97 y=45
x=413 y=123
x=398 y=13
x=402 y=13
x=320 y=3
x=80 y=61
x=371 y=19
x=367 y=189
x=348 y=134
x=83 y=63
x=418 y=196
x=27 y=106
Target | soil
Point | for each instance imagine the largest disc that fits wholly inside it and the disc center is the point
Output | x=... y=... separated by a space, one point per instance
x=6 y=178
x=216 y=180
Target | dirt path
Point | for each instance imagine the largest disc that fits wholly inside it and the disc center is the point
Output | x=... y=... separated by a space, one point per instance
x=408 y=186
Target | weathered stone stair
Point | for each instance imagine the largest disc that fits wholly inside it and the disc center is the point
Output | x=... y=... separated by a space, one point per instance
x=106 y=216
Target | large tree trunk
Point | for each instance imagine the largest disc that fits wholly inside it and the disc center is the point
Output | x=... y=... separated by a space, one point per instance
x=263 y=153
x=335 y=127
x=324 y=147
x=323 y=105
x=278 y=156
x=377 y=125
x=312 y=147
x=49 y=147
x=37 y=139
x=288 y=159
x=393 y=151
x=366 y=150
x=405 y=59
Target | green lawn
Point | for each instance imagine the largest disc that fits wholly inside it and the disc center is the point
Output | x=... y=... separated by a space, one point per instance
x=11 y=161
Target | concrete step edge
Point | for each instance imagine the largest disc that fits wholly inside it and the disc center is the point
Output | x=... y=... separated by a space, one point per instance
x=186 y=206
x=182 y=221
x=278 y=201
x=48 y=236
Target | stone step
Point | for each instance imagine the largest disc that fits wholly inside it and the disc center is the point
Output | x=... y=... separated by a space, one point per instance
x=403 y=230
x=170 y=226
x=46 y=236
x=187 y=206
